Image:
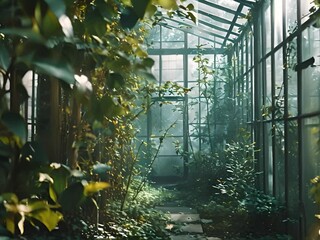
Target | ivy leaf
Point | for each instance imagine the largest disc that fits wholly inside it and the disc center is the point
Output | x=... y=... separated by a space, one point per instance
x=15 y=124
x=192 y=17
x=190 y=7
x=58 y=68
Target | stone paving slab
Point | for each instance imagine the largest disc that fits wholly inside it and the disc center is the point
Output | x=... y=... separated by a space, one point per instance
x=176 y=209
x=184 y=218
x=187 y=237
x=192 y=228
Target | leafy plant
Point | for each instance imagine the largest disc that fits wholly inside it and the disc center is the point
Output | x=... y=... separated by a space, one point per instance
x=240 y=172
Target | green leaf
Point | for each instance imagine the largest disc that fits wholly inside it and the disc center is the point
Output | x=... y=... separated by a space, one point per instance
x=95 y=23
x=15 y=124
x=115 y=80
x=5 y=150
x=5 y=57
x=150 y=11
x=58 y=68
x=50 y=25
x=105 y=8
x=148 y=62
x=140 y=7
x=48 y=217
x=192 y=17
x=72 y=197
x=167 y=4
x=53 y=194
x=25 y=33
x=57 y=6
x=9 y=197
x=60 y=174
x=190 y=7
x=94 y=187
x=34 y=152
x=128 y=18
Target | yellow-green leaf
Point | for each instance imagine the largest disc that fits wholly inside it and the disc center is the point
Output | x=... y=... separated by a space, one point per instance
x=53 y=194
x=48 y=217
x=94 y=187
x=10 y=223
x=167 y=4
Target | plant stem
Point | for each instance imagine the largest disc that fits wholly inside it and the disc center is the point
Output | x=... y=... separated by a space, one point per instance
x=144 y=180
x=134 y=160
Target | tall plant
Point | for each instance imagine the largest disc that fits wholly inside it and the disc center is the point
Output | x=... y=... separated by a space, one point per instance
x=92 y=54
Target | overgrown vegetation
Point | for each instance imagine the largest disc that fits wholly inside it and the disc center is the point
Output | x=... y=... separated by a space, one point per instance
x=63 y=171
x=222 y=178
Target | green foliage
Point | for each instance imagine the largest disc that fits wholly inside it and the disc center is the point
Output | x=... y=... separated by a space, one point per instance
x=102 y=70
x=17 y=212
x=240 y=171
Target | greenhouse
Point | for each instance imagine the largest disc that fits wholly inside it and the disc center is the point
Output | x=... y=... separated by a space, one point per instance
x=160 y=119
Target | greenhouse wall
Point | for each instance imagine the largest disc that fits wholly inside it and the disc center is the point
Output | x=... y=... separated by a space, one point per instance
x=262 y=83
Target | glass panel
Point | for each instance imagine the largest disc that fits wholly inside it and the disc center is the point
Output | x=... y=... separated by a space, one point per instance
x=193 y=73
x=292 y=78
x=154 y=37
x=305 y=6
x=310 y=73
x=249 y=98
x=293 y=178
x=156 y=67
x=268 y=91
x=172 y=38
x=268 y=158
x=193 y=41
x=164 y=115
x=279 y=167
x=194 y=93
x=267 y=25
x=291 y=7
x=278 y=27
x=193 y=110
x=249 y=44
x=216 y=11
x=172 y=68
x=168 y=167
x=279 y=85
x=141 y=124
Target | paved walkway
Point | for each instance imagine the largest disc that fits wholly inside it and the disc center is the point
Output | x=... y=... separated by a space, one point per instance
x=185 y=223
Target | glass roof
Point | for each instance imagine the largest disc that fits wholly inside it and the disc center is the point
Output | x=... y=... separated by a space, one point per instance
x=217 y=20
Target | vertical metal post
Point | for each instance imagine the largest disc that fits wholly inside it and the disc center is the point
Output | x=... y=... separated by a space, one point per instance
x=299 y=79
x=186 y=110
x=273 y=93
x=285 y=117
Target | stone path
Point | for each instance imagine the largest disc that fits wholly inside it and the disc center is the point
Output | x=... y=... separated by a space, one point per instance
x=184 y=224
